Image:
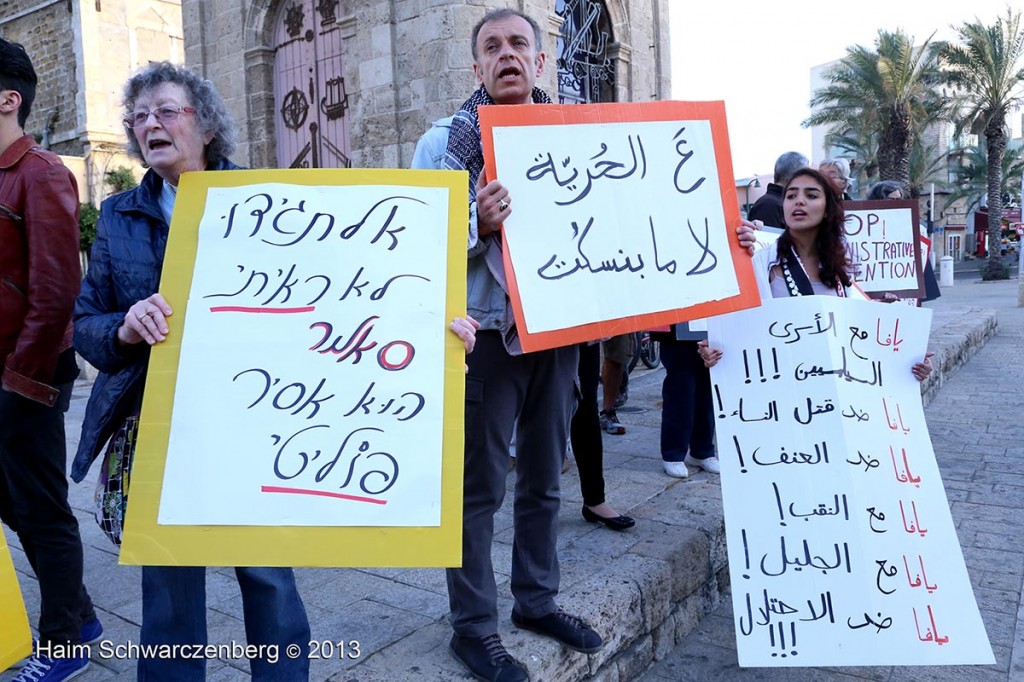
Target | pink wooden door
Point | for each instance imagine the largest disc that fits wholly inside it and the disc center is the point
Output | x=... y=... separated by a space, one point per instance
x=310 y=101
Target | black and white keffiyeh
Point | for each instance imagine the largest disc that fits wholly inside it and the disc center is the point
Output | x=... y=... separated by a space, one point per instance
x=464 y=151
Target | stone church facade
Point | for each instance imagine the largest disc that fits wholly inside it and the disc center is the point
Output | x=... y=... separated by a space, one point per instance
x=83 y=52
x=336 y=83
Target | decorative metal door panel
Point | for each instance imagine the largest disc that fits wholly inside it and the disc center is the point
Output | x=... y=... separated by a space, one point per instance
x=586 y=72
x=310 y=101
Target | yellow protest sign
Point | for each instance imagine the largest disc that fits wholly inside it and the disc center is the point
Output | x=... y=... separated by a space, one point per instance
x=307 y=407
x=15 y=637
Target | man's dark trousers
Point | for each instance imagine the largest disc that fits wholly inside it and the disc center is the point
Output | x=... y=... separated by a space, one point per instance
x=535 y=393
x=34 y=504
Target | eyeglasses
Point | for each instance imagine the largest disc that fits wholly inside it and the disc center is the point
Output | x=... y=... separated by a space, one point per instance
x=163 y=115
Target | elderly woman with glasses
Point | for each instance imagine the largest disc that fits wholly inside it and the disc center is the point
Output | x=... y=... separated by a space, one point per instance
x=838 y=173
x=176 y=123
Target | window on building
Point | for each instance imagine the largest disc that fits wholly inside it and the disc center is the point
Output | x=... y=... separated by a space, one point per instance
x=586 y=71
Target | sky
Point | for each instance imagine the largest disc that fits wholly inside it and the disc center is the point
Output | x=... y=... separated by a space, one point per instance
x=758 y=57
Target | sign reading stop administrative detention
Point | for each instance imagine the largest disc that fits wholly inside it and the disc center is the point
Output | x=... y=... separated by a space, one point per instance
x=882 y=243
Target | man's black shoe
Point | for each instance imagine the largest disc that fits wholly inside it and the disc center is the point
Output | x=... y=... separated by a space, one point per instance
x=487 y=659
x=569 y=630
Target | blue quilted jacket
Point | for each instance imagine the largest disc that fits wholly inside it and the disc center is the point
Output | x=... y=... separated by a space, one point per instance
x=124 y=267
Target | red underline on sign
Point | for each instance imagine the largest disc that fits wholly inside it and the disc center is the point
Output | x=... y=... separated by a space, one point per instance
x=320 y=493
x=247 y=309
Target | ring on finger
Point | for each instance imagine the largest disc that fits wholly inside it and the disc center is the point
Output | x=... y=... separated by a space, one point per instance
x=142 y=317
x=502 y=204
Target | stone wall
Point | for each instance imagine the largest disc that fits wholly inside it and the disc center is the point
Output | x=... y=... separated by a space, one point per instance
x=47 y=34
x=407 y=63
x=83 y=55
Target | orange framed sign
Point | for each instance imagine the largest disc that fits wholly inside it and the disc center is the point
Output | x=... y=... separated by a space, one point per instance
x=623 y=217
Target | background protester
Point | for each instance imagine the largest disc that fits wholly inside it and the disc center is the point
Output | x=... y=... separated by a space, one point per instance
x=768 y=208
x=617 y=352
x=176 y=123
x=41 y=277
x=588 y=444
x=687 y=415
x=838 y=173
x=885 y=189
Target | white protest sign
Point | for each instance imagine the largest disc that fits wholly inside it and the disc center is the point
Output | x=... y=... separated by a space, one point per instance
x=882 y=244
x=623 y=217
x=309 y=386
x=618 y=218
x=842 y=550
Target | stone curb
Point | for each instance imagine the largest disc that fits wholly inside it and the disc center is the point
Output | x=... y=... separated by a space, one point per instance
x=955 y=338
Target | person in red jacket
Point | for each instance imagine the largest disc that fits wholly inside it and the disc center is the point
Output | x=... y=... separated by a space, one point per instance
x=40 y=276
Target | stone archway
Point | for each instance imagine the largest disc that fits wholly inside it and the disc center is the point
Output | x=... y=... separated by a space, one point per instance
x=259 y=81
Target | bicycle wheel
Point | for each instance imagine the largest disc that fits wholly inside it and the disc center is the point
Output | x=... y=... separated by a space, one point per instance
x=650 y=352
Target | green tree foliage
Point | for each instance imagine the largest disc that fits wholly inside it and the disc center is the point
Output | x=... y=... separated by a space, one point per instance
x=986 y=73
x=927 y=167
x=121 y=179
x=969 y=166
x=926 y=163
x=881 y=99
x=88 y=216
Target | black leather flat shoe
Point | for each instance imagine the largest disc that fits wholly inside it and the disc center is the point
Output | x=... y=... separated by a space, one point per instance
x=615 y=523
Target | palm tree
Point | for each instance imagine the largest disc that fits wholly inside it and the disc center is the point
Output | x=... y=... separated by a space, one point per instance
x=925 y=163
x=927 y=167
x=861 y=143
x=986 y=71
x=970 y=169
x=887 y=94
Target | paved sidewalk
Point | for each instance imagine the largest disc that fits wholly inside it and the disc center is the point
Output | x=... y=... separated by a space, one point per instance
x=645 y=589
x=977 y=429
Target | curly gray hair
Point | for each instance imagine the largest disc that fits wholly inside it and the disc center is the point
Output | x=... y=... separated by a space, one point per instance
x=211 y=114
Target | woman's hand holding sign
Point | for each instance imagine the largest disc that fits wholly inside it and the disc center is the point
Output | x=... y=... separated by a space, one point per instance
x=145 y=321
